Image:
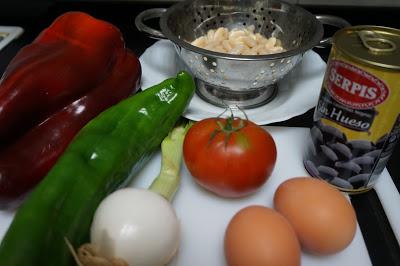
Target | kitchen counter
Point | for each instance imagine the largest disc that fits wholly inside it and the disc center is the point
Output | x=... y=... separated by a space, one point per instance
x=378 y=235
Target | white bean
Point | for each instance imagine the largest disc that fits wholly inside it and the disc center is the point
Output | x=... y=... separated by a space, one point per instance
x=251 y=28
x=238 y=41
x=210 y=34
x=249 y=41
x=221 y=33
x=200 y=42
x=227 y=45
x=238 y=49
x=270 y=43
x=236 y=33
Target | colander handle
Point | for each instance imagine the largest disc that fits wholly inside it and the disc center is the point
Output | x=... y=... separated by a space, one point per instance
x=146 y=15
x=333 y=21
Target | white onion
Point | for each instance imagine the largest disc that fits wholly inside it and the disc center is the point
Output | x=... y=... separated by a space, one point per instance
x=136 y=225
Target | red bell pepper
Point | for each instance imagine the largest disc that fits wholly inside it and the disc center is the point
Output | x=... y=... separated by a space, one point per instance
x=27 y=160
x=65 y=61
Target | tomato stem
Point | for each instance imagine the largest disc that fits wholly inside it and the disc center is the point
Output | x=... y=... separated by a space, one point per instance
x=228 y=128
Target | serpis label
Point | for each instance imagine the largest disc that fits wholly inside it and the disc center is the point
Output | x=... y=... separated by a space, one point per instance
x=353 y=87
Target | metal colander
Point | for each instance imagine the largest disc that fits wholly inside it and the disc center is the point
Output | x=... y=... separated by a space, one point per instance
x=245 y=81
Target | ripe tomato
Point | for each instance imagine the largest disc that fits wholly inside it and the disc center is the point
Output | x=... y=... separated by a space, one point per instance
x=229 y=156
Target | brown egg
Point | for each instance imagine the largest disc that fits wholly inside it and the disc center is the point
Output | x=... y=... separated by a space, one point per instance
x=324 y=220
x=260 y=236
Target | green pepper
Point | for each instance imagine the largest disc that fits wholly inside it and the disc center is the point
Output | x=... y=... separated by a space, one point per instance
x=104 y=156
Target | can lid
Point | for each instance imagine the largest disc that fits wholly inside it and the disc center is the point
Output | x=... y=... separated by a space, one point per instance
x=374 y=45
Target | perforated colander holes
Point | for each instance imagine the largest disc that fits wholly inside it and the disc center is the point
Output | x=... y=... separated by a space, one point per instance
x=212 y=66
x=259 y=22
x=199 y=18
x=202 y=15
x=282 y=65
x=264 y=21
x=220 y=20
x=262 y=73
x=255 y=81
x=285 y=65
x=274 y=71
x=260 y=76
x=272 y=65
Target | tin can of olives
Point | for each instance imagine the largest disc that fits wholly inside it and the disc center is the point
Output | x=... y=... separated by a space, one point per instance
x=357 y=117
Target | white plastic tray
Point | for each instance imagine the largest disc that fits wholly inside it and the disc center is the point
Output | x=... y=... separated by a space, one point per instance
x=205 y=216
x=9 y=33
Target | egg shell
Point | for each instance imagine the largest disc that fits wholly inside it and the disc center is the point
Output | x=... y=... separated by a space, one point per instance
x=260 y=236
x=324 y=220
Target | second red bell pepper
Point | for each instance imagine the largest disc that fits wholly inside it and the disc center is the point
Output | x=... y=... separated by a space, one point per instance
x=66 y=60
x=25 y=161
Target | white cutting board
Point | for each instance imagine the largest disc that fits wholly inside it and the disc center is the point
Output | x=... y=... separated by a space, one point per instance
x=204 y=216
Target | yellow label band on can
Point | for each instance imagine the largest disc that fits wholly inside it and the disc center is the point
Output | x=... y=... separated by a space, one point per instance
x=357 y=118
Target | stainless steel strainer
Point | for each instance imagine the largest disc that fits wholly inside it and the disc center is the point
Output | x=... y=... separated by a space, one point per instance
x=244 y=81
